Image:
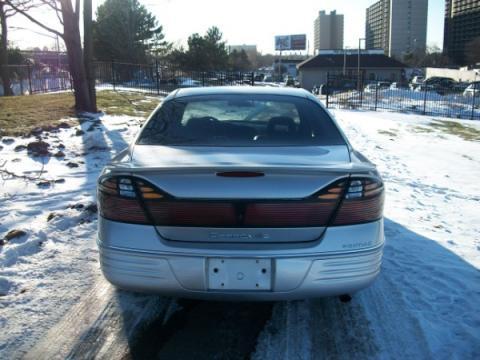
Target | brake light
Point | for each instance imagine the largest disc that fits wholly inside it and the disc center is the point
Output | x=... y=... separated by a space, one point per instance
x=316 y=210
x=191 y=213
x=240 y=174
x=118 y=200
x=133 y=200
x=363 y=202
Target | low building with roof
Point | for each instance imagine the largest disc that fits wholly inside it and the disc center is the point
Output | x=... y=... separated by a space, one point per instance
x=374 y=66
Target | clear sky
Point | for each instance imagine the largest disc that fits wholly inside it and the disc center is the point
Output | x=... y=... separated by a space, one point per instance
x=246 y=21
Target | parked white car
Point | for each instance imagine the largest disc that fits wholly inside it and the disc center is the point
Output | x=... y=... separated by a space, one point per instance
x=473 y=88
x=417 y=80
x=380 y=85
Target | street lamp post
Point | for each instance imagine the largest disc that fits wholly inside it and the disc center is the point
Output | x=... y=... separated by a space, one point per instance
x=358 y=63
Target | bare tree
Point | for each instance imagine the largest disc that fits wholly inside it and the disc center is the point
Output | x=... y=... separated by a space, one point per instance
x=68 y=15
x=88 y=49
x=5 y=12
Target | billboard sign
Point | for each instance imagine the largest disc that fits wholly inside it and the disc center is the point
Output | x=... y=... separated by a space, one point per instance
x=290 y=42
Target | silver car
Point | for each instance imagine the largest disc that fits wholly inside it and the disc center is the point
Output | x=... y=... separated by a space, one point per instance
x=241 y=193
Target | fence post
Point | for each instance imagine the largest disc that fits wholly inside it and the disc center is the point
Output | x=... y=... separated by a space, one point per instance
x=376 y=95
x=473 y=100
x=327 y=90
x=21 y=83
x=424 y=99
x=113 y=74
x=203 y=78
x=253 y=78
x=157 y=75
x=361 y=89
x=29 y=71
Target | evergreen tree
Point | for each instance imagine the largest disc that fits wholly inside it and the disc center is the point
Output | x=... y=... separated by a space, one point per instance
x=204 y=53
x=238 y=61
x=126 y=31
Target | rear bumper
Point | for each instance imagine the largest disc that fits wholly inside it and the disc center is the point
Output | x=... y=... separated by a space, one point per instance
x=294 y=277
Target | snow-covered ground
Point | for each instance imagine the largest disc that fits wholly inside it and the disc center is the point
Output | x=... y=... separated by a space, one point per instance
x=425 y=302
x=47 y=270
x=423 y=305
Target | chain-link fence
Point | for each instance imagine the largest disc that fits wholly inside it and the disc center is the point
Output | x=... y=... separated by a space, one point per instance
x=436 y=97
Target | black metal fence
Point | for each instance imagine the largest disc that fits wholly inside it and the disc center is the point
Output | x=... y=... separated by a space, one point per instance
x=33 y=79
x=429 y=98
x=155 y=78
x=158 y=78
x=438 y=98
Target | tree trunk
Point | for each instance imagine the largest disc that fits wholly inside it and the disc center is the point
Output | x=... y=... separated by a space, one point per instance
x=4 y=71
x=73 y=43
x=88 y=50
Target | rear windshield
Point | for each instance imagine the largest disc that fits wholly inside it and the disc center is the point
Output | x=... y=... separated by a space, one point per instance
x=240 y=120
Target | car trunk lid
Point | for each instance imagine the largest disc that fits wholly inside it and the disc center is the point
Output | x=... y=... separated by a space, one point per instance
x=209 y=173
x=241 y=195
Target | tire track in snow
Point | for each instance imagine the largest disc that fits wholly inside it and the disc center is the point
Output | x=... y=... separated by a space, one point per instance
x=316 y=329
x=205 y=330
x=375 y=324
x=102 y=325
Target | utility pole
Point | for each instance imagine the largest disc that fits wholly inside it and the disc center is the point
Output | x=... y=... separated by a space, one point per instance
x=88 y=51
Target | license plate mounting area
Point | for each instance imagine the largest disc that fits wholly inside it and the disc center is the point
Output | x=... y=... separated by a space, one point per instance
x=239 y=274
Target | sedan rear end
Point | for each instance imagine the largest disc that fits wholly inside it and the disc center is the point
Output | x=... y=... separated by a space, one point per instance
x=241 y=193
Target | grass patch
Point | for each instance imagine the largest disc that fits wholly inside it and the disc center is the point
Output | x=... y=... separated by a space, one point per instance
x=387 y=132
x=468 y=133
x=422 y=129
x=21 y=114
x=126 y=103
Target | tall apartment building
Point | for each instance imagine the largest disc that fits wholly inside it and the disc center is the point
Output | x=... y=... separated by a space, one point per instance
x=398 y=27
x=462 y=25
x=328 y=31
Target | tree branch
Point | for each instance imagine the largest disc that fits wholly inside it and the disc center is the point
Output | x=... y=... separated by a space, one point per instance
x=32 y=19
x=53 y=4
x=6 y=174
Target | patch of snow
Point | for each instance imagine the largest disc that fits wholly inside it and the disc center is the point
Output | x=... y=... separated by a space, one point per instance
x=423 y=305
x=45 y=272
x=425 y=302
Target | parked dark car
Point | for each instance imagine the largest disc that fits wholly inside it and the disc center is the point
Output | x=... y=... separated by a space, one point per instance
x=440 y=85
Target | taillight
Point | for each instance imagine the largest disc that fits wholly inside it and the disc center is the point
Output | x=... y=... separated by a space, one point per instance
x=315 y=210
x=192 y=213
x=363 y=202
x=346 y=202
x=118 y=200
